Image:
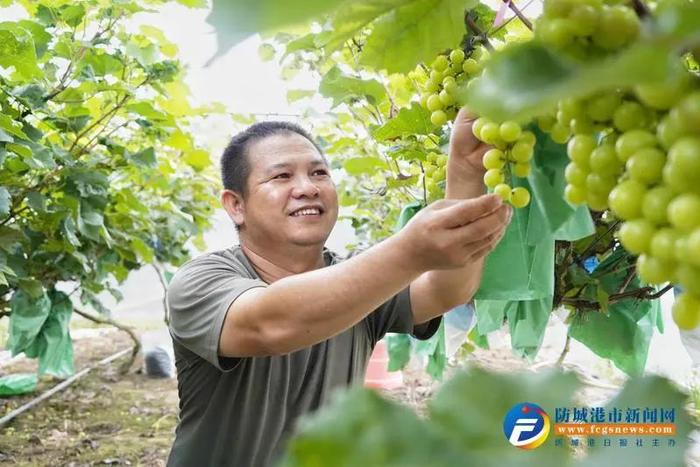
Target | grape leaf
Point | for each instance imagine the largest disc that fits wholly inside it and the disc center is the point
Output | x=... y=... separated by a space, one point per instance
x=235 y=20
x=17 y=49
x=364 y=165
x=414 y=120
x=414 y=32
x=342 y=88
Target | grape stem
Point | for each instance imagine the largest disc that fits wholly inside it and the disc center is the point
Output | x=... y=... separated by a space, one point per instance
x=473 y=27
x=643 y=293
x=640 y=8
x=518 y=13
x=590 y=247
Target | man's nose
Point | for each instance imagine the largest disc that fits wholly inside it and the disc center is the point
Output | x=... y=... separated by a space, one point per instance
x=304 y=186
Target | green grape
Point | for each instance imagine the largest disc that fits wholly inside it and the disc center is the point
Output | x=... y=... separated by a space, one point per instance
x=454 y=69
x=490 y=133
x=431 y=86
x=434 y=103
x=647 y=165
x=655 y=270
x=602 y=107
x=670 y=129
x=432 y=157
x=575 y=175
x=557 y=32
x=688 y=276
x=424 y=100
x=457 y=56
x=580 y=148
x=471 y=67
x=450 y=85
x=438 y=118
x=693 y=247
x=684 y=212
x=600 y=184
x=436 y=76
x=631 y=141
x=528 y=137
x=522 y=152
x=478 y=125
x=440 y=64
x=678 y=180
x=582 y=126
x=560 y=133
x=575 y=194
x=520 y=197
x=685 y=156
x=510 y=131
x=480 y=53
x=604 y=160
x=521 y=169
x=494 y=159
x=446 y=98
x=686 y=311
x=689 y=108
x=503 y=190
x=617 y=27
x=493 y=177
x=597 y=201
x=558 y=8
x=663 y=244
x=635 y=235
x=546 y=123
x=629 y=115
x=585 y=19
x=655 y=204
x=660 y=96
x=626 y=199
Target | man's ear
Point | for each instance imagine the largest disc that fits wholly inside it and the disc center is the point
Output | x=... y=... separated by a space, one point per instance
x=234 y=205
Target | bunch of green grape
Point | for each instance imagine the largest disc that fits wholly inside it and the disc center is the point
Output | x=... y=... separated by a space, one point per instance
x=586 y=28
x=435 y=168
x=447 y=74
x=639 y=156
x=510 y=157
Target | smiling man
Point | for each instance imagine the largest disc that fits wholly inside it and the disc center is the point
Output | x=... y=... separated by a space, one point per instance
x=266 y=330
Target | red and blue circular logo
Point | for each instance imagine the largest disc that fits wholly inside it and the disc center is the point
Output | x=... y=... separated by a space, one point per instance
x=526 y=426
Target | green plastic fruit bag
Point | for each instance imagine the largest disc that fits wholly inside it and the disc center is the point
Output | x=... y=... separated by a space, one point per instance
x=18 y=384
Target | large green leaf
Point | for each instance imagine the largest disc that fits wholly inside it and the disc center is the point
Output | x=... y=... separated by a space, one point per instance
x=17 y=50
x=414 y=120
x=235 y=20
x=342 y=88
x=364 y=165
x=413 y=33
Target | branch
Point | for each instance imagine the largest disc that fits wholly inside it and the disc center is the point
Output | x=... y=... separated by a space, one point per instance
x=519 y=14
x=643 y=293
x=595 y=241
x=166 y=310
x=137 y=342
x=473 y=27
x=12 y=215
x=111 y=112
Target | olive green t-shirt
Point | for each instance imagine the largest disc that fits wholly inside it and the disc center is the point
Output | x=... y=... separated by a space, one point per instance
x=240 y=411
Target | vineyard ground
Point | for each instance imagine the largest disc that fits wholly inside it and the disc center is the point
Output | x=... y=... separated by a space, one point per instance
x=108 y=419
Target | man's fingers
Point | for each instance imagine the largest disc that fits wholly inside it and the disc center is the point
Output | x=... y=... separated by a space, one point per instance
x=468 y=210
x=462 y=136
x=491 y=224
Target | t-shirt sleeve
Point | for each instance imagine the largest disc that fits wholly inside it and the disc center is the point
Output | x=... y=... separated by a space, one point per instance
x=395 y=315
x=198 y=297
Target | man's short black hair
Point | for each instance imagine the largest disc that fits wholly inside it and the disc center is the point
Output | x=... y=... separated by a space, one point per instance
x=235 y=165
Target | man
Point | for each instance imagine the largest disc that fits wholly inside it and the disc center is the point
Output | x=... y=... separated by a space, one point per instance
x=265 y=331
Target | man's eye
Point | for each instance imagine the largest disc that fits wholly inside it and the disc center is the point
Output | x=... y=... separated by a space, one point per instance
x=321 y=172
x=284 y=175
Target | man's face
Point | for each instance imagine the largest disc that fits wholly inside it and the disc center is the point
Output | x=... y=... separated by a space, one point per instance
x=291 y=197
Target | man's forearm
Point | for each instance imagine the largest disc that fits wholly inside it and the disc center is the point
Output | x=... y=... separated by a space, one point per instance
x=327 y=301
